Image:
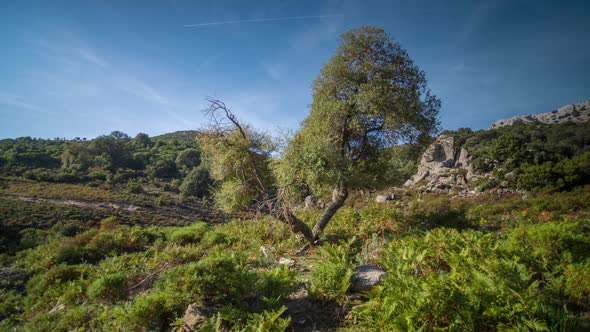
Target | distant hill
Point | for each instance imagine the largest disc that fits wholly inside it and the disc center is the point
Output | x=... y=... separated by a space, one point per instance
x=186 y=136
x=570 y=113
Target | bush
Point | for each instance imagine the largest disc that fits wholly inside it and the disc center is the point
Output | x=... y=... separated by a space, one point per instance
x=196 y=183
x=134 y=187
x=188 y=159
x=189 y=234
x=111 y=287
x=550 y=246
x=450 y=280
x=577 y=283
x=162 y=169
x=69 y=228
x=217 y=278
x=329 y=279
x=10 y=304
x=148 y=312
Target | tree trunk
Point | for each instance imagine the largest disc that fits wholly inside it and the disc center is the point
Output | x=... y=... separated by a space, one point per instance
x=296 y=224
x=337 y=203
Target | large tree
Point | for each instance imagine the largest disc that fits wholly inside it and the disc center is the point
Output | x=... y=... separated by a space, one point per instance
x=368 y=98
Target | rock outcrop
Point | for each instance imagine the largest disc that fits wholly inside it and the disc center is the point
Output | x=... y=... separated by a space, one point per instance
x=365 y=277
x=570 y=113
x=194 y=316
x=442 y=167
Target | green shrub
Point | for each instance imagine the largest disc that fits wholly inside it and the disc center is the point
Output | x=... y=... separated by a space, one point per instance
x=69 y=228
x=134 y=187
x=217 y=278
x=577 y=283
x=329 y=278
x=189 y=234
x=450 y=280
x=113 y=242
x=278 y=282
x=111 y=287
x=10 y=304
x=148 y=312
x=550 y=246
x=196 y=183
x=270 y=321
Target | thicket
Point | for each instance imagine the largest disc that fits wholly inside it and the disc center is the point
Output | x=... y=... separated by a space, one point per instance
x=531 y=156
x=115 y=159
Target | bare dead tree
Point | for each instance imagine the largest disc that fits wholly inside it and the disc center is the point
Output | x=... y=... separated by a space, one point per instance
x=222 y=122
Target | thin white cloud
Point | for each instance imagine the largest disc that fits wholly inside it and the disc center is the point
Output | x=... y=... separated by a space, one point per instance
x=274 y=19
x=144 y=90
x=92 y=57
x=462 y=68
x=273 y=70
x=18 y=102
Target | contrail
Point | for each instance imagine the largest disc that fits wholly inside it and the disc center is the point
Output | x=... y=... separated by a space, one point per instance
x=262 y=20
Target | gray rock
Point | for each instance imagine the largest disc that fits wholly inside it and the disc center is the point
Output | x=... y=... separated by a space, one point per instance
x=441 y=169
x=384 y=198
x=194 y=316
x=570 y=113
x=310 y=202
x=365 y=277
x=287 y=261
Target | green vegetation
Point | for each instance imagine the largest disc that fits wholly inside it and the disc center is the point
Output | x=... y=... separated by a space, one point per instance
x=532 y=157
x=369 y=99
x=464 y=275
x=117 y=233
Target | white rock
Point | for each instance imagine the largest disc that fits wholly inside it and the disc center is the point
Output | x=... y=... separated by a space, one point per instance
x=365 y=277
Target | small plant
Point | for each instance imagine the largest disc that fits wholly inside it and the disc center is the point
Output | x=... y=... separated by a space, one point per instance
x=111 y=287
x=189 y=234
x=330 y=278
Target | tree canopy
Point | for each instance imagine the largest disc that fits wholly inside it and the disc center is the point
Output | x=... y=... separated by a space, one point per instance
x=368 y=98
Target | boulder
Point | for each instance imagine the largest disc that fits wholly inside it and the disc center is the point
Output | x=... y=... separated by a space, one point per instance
x=365 y=277
x=441 y=169
x=287 y=261
x=194 y=316
x=382 y=198
x=310 y=201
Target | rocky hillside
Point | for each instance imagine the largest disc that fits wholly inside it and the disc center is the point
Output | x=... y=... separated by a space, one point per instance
x=570 y=113
x=444 y=166
x=547 y=150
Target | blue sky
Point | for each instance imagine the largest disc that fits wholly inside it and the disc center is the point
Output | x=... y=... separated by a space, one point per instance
x=84 y=68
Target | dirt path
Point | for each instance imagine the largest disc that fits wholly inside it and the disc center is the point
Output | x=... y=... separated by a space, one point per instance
x=188 y=212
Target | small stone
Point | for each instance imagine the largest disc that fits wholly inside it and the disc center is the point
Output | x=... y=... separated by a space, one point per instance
x=287 y=261
x=193 y=317
x=365 y=277
x=310 y=202
x=380 y=198
x=58 y=307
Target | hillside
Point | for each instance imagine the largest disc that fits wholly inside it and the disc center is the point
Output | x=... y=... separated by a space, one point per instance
x=130 y=240
x=183 y=136
x=522 y=156
x=570 y=113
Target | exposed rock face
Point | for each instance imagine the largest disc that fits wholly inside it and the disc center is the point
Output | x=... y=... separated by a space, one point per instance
x=384 y=198
x=365 y=277
x=194 y=316
x=310 y=202
x=441 y=168
x=570 y=113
